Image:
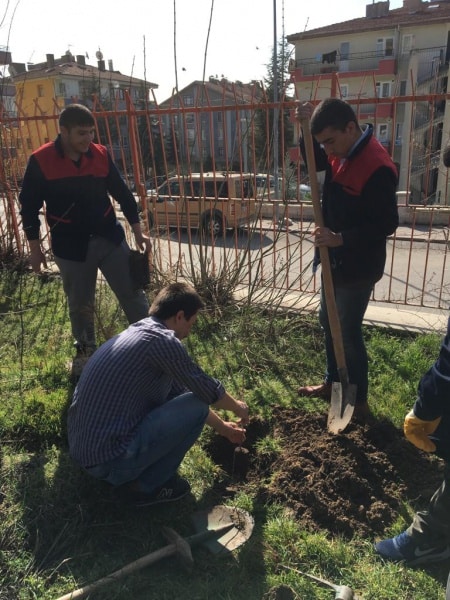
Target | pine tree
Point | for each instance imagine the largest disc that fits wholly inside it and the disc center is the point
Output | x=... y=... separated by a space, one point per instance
x=264 y=121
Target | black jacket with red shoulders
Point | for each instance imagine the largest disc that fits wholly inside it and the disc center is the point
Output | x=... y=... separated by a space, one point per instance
x=359 y=201
x=76 y=197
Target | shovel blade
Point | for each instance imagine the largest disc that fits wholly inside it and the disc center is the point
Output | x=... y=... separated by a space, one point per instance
x=343 y=397
x=218 y=517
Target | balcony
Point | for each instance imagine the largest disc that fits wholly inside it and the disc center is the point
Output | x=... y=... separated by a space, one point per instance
x=334 y=62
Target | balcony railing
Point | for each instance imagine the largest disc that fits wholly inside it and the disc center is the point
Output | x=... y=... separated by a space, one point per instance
x=361 y=61
x=432 y=61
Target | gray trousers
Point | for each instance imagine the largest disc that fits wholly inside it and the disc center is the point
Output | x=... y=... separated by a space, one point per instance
x=80 y=280
x=432 y=526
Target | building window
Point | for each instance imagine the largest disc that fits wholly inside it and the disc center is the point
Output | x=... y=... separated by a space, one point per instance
x=29 y=146
x=117 y=93
x=84 y=86
x=383 y=89
x=125 y=141
x=398 y=134
x=219 y=117
x=40 y=90
x=407 y=43
x=220 y=133
x=188 y=100
x=344 y=90
x=385 y=46
x=382 y=133
x=344 y=50
x=220 y=151
x=402 y=90
x=61 y=89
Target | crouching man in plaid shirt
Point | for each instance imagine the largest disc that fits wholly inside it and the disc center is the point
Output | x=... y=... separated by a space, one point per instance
x=142 y=402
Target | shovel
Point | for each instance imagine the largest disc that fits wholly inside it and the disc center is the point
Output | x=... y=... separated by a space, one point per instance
x=343 y=393
x=342 y=592
x=221 y=529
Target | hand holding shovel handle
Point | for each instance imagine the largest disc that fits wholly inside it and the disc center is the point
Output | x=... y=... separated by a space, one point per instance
x=343 y=392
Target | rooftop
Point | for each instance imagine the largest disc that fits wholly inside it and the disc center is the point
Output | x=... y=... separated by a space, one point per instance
x=71 y=66
x=378 y=16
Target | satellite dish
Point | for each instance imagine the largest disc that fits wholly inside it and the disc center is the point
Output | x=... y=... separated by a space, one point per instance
x=99 y=55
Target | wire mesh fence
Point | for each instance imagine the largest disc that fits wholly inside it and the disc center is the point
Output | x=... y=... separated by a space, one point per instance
x=222 y=189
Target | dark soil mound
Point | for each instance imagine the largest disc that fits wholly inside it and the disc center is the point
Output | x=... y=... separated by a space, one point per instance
x=353 y=483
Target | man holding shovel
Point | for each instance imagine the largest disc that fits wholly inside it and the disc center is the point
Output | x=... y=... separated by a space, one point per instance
x=359 y=211
x=142 y=402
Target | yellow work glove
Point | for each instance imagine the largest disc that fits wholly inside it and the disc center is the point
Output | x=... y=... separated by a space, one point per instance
x=417 y=431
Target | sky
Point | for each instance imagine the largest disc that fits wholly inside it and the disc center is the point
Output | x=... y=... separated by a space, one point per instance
x=167 y=42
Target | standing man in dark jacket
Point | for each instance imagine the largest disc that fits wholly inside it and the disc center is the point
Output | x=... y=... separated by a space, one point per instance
x=427 y=426
x=359 y=212
x=73 y=177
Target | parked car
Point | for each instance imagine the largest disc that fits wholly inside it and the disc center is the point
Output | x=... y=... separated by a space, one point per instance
x=152 y=184
x=211 y=202
x=265 y=188
x=305 y=191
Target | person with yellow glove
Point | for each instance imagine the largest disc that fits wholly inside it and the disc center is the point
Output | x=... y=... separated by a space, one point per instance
x=418 y=432
x=427 y=426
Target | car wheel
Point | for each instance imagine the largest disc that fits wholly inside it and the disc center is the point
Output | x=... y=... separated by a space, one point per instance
x=213 y=224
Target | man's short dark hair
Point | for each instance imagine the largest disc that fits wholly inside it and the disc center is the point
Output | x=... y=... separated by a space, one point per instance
x=76 y=115
x=173 y=298
x=332 y=112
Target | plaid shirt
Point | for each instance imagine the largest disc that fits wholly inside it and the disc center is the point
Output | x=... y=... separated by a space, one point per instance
x=128 y=376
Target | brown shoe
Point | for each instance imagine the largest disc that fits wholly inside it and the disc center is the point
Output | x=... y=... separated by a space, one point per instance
x=318 y=391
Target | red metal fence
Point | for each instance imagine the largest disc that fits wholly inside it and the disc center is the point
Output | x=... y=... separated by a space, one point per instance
x=273 y=249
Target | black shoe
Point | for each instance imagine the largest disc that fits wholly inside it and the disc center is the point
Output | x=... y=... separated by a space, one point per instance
x=174 y=489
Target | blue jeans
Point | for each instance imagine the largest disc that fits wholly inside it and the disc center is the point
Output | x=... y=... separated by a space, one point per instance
x=351 y=304
x=159 y=444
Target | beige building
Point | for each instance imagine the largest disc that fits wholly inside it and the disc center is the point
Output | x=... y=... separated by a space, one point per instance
x=393 y=65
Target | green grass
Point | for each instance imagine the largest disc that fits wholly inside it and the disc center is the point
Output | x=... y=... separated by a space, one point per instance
x=60 y=529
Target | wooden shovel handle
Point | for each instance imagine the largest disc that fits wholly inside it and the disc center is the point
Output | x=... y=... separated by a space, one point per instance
x=136 y=565
x=333 y=317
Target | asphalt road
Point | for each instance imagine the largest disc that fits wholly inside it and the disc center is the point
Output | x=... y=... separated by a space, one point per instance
x=416 y=270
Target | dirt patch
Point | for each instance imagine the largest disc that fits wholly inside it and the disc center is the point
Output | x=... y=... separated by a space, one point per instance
x=353 y=483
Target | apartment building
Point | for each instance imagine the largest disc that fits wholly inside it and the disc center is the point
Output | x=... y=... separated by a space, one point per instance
x=212 y=128
x=42 y=90
x=377 y=61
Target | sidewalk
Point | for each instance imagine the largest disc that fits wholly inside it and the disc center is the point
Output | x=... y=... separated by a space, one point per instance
x=384 y=314
x=420 y=233
x=416 y=319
